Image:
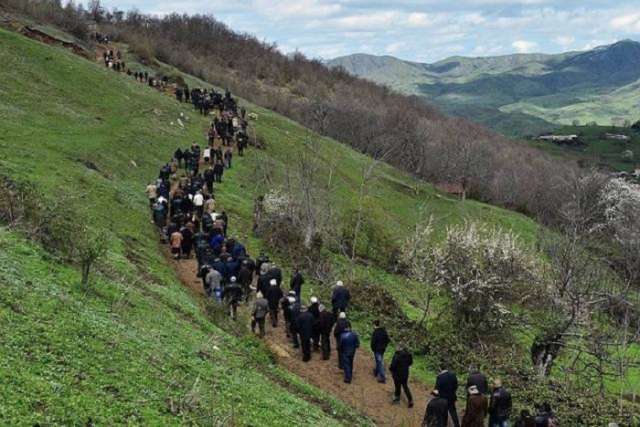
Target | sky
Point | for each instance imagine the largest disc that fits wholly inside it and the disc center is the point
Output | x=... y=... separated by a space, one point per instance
x=423 y=31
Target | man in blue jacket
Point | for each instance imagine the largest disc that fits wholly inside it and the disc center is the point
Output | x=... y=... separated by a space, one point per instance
x=349 y=343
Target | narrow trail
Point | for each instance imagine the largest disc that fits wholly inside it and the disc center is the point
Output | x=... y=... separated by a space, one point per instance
x=364 y=393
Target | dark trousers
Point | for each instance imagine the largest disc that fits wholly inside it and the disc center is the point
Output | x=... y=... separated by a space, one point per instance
x=233 y=306
x=325 y=343
x=347 y=365
x=339 y=351
x=294 y=337
x=273 y=313
x=402 y=385
x=306 y=348
x=260 y=323
x=316 y=340
x=453 y=413
x=210 y=187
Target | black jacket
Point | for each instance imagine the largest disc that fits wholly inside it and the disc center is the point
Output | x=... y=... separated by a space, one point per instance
x=480 y=381
x=447 y=385
x=245 y=276
x=340 y=298
x=296 y=283
x=233 y=293
x=400 y=364
x=379 y=340
x=273 y=296
x=326 y=322
x=304 y=324
x=437 y=413
x=500 y=406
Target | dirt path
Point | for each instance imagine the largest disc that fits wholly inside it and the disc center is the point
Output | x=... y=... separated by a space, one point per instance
x=364 y=393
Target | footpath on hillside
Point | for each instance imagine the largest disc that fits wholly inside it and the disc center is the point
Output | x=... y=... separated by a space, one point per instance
x=364 y=393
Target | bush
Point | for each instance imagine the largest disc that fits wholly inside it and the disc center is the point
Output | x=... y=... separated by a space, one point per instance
x=374 y=241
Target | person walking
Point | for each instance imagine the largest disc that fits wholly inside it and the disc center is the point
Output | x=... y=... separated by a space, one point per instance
x=233 y=296
x=176 y=244
x=341 y=325
x=260 y=310
x=349 y=343
x=325 y=324
x=340 y=298
x=400 y=364
x=476 y=409
x=476 y=378
x=304 y=326
x=500 y=406
x=297 y=280
x=436 y=414
x=213 y=281
x=314 y=309
x=447 y=385
x=274 y=295
x=379 y=342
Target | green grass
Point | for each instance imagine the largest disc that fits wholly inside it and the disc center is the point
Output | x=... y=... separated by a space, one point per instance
x=598 y=151
x=138 y=344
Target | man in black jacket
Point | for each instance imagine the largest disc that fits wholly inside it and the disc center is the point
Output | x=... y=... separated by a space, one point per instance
x=304 y=326
x=379 y=342
x=314 y=309
x=500 y=406
x=296 y=283
x=447 y=385
x=294 y=309
x=341 y=325
x=325 y=324
x=400 y=364
x=340 y=298
x=245 y=276
x=436 y=413
x=274 y=295
x=476 y=378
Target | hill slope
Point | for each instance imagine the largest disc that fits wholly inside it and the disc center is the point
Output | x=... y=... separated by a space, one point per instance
x=138 y=348
x=598 y=85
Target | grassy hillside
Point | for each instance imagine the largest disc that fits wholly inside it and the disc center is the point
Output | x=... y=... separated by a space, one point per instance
x=138 y=347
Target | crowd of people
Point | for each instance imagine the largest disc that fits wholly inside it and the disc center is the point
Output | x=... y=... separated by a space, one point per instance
x=183 y=204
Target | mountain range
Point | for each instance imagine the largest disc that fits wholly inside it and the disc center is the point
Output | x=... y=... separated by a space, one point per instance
x=521 y=94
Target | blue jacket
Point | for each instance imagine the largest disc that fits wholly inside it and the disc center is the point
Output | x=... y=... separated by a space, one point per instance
x=349 y=342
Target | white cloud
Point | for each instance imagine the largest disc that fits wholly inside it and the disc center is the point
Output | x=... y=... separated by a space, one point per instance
x=627 y=22
x=564 y=41
x=296 y=8
x=392 y=48
x=524 y=46
x=417 y=19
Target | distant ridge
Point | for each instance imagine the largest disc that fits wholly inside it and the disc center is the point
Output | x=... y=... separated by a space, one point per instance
x=518 y=94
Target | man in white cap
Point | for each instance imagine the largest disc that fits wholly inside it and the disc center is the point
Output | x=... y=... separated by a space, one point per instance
x=325 y=325
x=304 y=327
x=260 y=309
x=314 y=309
x=341 y=325
x=274 y=295
x=233 y=295
x=340 y=298
x=285 y=304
